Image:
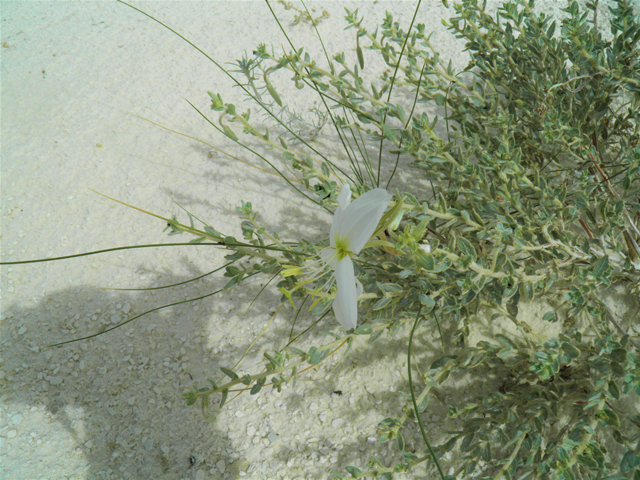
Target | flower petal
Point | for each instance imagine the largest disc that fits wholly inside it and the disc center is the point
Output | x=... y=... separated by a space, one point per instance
x=359 y=288
x=360 y=218
x=344 y=198
x=345 y=305
x=337 y=311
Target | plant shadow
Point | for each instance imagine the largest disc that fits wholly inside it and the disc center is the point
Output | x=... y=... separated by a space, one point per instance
x=117 y=396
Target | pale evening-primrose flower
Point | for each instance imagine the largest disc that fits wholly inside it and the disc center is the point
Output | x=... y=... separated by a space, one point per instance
x=352 y=227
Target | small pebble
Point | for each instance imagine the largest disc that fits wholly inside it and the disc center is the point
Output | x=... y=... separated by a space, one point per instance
x=313 y=406
x=242 y=466
x=11 y=433
x=272 y=437
x=251 y=431
x=22 y=330
x=16 y=419
x=55 y=380
x=200 y=475
x=336 y=422
x=221 y=466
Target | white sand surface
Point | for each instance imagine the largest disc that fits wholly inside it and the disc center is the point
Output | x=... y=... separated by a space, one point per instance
x=76 y=77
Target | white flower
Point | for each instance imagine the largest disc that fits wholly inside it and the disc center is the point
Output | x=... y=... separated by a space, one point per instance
x=352 y=227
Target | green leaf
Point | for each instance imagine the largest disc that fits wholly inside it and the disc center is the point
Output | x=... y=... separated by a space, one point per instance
x=230 y=240
x=258 y=385
x=512 y=304
x=551 y=30
x=229 y=133
x=445 y=264
x=383 y=302
x=468 y=297
x=629 y=462
x=375 y=336
x=609 y=417
x=466 y=442
x=225 y=394
x=617 y=369
x=426 y=261
x=295 y=350
x=617 y=436
x=570 y=351
x=465 y=246
x=216 y=101
x=272 y=91
x=364 y=329
x=390 y=287
x=449 y=444
x=316 y=356
x=588 y=462
x=505 y=341
x=619 y=355
x=504 y=352
x=212 y=231
x=601 y=267
x=359 y=53
x=477 y=359
x=427 y=301
x=485 y=453
x=353 y=471
x=422 y=406
x=229 y=373
x=389 y=133
x=364 y=119
x=614 y=390
x=408 y=456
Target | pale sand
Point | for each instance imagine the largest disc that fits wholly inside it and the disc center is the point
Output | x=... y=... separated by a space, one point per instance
x=74 y=75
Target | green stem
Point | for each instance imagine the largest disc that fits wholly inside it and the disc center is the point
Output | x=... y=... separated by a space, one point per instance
x=511 y=458
x=413 y=396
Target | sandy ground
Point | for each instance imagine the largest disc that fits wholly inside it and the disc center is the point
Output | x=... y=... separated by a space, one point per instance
x=76 y=77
